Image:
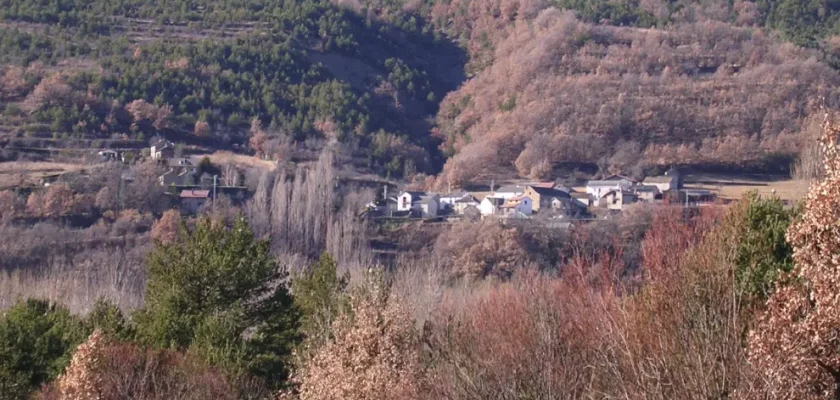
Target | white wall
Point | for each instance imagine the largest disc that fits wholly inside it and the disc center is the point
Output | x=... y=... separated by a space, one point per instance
x=404 y=202
x=486 y=207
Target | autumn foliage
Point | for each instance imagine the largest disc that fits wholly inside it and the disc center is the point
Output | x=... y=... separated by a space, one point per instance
x=373 y=355
x=561 y=90
x=103 y=369
x=795 y=343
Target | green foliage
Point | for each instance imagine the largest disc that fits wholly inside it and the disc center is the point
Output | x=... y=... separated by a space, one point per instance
x=205 y=166
x=37 y=339
x=265 y=72
x=320 y=294
x=763 y=252
x=218 y=292
x=509 y=104
x=625 y=13
x=803 y=22
x=109 y=319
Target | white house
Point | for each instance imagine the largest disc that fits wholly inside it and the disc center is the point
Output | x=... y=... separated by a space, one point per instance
x=509 y=192
x=462 y=204
x=490 y=205
x=162 y=149
x=663 y=183
x=584 y=199
x=600 y=188
x=518 y=207
x=406 y=199
x=449 y=200
x=427 y=205
x=618 y=199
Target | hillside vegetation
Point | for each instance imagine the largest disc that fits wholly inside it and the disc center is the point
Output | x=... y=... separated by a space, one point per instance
x=684 y=82
x=561 y=90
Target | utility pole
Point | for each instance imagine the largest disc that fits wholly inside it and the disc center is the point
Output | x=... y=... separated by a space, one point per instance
x=215 y=179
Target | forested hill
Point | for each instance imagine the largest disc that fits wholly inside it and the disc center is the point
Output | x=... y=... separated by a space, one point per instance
x=291 y=73
x=667 y=79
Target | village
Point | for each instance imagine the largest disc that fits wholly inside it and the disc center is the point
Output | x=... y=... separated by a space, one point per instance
x=192 y=186
x=545 y=199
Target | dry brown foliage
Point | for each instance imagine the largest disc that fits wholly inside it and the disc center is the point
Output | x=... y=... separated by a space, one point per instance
x=157 y=116
x=103 y=370
x=373 y=355
x=51 y=90
x=533 y=338
x=594 y=332
x=201 y=129
x=482 y=250
x=166 y=229
x=560 y=90
x=795 y=342
x=13 y=82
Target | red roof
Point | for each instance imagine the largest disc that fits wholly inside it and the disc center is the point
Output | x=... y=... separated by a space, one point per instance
x=195 y=194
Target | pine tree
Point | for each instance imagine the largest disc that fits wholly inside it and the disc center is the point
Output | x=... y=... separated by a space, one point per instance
x=218 y=292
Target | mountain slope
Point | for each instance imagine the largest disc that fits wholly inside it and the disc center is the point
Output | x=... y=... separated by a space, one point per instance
x=564 y=91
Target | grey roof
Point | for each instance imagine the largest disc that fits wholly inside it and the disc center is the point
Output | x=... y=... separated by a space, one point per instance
x=697 y=192
x=603 y=183
x=646 y=188
x=180 y=162
x=467 y=199
x=427 y=199
x=511 y=189
x=413 y=193
x=660 y=179
x=543 y=191
x=456 y=195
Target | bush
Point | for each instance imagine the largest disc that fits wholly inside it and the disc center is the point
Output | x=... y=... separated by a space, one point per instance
x=37 y=339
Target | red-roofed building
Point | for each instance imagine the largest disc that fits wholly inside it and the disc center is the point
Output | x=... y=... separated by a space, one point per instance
x=193 y=199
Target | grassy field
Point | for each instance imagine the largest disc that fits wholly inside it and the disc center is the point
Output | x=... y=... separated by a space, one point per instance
x=239 y=160
x=18 y=173
x=733 y=187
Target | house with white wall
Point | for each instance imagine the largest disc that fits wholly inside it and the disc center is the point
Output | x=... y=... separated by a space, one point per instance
x=421 y=203
x=599 y=188
x=509 y=192
x=518 y=207
x=491 y=205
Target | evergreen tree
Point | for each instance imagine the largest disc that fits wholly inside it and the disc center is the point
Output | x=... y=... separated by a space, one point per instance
x=37 y=339
x=218 y=292
x=320 y=294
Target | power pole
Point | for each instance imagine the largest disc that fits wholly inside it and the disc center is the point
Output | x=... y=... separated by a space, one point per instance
x=215 y=179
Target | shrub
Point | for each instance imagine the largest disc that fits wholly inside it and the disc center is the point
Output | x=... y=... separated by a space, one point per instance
x=37 y=339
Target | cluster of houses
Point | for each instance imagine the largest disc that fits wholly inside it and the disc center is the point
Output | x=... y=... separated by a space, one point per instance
x=515 y=201
x=618 y=191
x=523 y=201
x=183 y=175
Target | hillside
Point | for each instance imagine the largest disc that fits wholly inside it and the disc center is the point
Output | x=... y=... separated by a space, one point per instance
x=307 y=71
x=564 y=91
x=407 y=87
